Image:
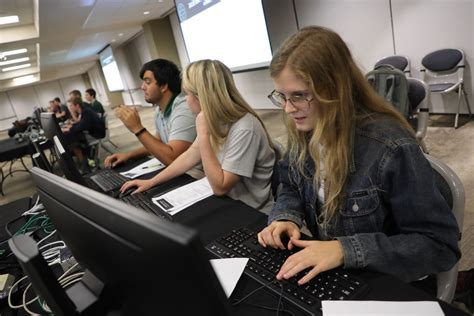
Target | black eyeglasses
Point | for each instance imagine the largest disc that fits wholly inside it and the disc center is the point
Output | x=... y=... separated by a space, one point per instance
x=297 y=100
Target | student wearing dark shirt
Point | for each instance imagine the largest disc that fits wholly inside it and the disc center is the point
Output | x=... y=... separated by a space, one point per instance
x=89 y=95
x=61 y=110
x=89 y=122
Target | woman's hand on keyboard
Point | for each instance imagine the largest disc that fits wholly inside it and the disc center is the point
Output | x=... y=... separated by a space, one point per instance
x=318 y=256
x=272 y=234
x=142 y=185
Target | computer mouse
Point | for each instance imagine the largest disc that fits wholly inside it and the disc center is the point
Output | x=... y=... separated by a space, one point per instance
x=126 y=193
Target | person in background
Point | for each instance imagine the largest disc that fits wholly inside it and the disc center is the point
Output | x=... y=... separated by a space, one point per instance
x=90 y=95
x=74 y=94
x=174 y=122
x=353 y=172
x=89 y=122
x=232 y=143
x=61 y=110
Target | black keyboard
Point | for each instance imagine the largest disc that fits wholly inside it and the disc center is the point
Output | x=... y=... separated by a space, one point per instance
x=141 y=201
x=108 y=180
x=264 y=264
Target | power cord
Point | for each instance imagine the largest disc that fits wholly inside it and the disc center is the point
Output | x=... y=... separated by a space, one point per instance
x=277 y=309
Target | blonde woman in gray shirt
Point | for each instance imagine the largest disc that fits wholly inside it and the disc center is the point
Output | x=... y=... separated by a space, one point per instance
x=232 y=143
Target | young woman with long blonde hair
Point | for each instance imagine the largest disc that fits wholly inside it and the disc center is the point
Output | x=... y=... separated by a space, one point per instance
x=232 y=143
x=353 y=172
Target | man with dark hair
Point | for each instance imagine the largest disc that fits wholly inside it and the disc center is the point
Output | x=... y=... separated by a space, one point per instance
x=89 y=95
x=61 y=111
x=89 y=122
x=174 y=121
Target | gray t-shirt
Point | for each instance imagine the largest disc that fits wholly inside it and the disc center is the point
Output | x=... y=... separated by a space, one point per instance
x=247 y=153
x=180 y=124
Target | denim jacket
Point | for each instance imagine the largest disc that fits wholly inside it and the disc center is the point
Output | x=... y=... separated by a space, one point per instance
x=393 y=219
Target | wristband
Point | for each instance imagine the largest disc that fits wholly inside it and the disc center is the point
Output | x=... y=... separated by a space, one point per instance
x=143 y=130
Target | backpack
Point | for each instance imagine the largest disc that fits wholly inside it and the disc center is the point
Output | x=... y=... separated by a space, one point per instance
x=392 y=85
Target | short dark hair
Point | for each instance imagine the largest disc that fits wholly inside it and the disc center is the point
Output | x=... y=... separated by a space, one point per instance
x=76 y=93
x=57 y=99
x=91 y=92
x=77 y=101
x=165 y=72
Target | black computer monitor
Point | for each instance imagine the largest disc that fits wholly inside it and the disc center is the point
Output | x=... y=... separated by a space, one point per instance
x=53 y=133
x=51 y=127
x=147 y=266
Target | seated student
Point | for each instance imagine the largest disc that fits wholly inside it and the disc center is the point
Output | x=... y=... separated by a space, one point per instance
x=62 y=111
x=174 y=122
x=74 y=94
x=89 y=122
x=89 y=95
x=353 y=172
x=232 y=143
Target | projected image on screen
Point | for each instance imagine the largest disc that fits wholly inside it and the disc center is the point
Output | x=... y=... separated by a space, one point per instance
x=233 y=31
x=110 y=70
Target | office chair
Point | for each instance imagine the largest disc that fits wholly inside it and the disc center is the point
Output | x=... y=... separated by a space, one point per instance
x=452 y=190
x=275 y=180
x=418 y=96
x=444 y=72
x=92 y=148
x=398 y=61
x=107 y=135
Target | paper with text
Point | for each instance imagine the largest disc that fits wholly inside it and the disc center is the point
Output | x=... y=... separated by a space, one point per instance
x=144 y=168
x=228 y=272
x=373 y=308
x=182 y=197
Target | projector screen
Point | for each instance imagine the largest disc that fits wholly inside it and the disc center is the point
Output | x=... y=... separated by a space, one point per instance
x=232 y=31
x=110 y=70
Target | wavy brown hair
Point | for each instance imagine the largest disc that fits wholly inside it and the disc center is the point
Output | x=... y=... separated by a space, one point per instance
x=320 y=58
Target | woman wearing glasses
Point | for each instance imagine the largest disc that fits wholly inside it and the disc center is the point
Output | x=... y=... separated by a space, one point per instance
x=232 y=143
x=353 y=172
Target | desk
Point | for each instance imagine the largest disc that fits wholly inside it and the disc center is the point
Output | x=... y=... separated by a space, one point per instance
x=214 y=216
x=11 y=150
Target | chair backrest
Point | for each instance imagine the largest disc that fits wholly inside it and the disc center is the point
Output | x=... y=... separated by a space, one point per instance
x=443 y=60
x=392 y=85
x=279 y=153
x=398 y=61
x=443 y=70
x=418 y=95
x=452 y=190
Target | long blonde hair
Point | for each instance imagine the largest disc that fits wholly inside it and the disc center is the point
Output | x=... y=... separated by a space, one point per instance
x=320 y=58
x=211 y=82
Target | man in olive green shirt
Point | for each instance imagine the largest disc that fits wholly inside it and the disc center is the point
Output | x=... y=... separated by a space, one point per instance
x=96 y=105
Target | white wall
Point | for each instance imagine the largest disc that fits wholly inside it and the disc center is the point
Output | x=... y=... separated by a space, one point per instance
x=130 y=58
x=20 y=103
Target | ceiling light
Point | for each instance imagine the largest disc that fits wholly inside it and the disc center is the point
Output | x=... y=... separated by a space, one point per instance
x=113 y=40
x=9 y=19
x=14 y=61
x=16 y=67
x=146 y=12
x=120 y=34
x=14 y=52
x=24 y=79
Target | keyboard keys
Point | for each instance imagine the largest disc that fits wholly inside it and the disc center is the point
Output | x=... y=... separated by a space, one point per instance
x=265 y=263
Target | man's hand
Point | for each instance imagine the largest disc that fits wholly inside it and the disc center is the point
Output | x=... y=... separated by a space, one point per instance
x=115 y=159
x=130 y=118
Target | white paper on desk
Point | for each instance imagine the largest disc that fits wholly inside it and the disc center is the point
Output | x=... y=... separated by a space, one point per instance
x=373 y=308
x=182 y=197
x=228 y=272
x=144 y=168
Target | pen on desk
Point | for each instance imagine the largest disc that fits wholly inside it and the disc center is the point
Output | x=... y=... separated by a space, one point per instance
x=152 y=166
